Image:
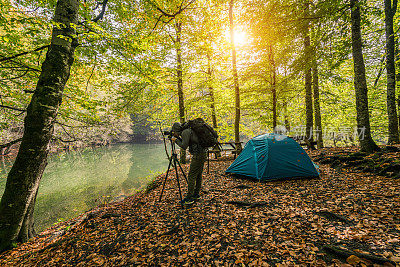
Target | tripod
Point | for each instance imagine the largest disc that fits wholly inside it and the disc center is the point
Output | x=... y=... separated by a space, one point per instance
x=173 y=161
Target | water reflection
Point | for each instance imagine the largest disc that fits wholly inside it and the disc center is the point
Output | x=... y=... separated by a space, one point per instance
x=77 y=181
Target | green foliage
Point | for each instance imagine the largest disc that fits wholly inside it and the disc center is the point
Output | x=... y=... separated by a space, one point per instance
x=126 y=65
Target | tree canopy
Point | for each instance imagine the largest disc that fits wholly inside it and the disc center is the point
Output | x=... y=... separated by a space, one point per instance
x=126 y=59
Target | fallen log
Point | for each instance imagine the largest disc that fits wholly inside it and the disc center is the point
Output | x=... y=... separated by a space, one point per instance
x=259 y=204
x=333 y=216
x=171 y=231
x=241 y=186
x=376 y=163
x=247 y=204
x=239 y=203
x=343 y=254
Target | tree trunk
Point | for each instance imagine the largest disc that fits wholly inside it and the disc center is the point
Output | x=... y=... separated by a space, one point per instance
x=287 y=122
x=317 y=108
x=307 y=81
x=17 y=203
x=393 y=127
x=235 y=78
x=360 y=83
x=397 y=49
x=179 y=73
x=27 y=229
x=273 y=87
x=212 y=100
x=211 y=91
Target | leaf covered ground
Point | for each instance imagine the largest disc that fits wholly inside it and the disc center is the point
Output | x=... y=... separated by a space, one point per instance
x=236 y=222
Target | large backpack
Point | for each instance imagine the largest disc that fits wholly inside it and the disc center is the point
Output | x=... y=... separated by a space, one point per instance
x=207 y=136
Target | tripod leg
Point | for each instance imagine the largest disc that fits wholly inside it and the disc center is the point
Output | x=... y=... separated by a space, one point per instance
x=165 y=179
x=177 y=178
x=184 y=175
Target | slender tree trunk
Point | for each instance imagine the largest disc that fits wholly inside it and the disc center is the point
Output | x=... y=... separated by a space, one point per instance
x=393 y=127
x=317 y=108
x=308 y=77
x=360 y=83
x=397 y=49
x=179 y=74
x=273 y=87
x=287 y=123
x=235 y=77
x=211 y=91
x=315 y=83
x=18 y=201
x=212 y=100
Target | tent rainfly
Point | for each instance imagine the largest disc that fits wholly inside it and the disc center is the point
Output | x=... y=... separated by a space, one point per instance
x=273 y=156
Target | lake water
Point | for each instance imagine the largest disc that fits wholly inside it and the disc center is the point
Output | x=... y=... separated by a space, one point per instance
x=77 y=181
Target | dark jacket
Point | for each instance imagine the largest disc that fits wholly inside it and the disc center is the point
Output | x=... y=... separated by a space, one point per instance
x=190 y=139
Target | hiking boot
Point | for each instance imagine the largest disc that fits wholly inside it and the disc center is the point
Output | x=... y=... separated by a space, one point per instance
x=187 y=201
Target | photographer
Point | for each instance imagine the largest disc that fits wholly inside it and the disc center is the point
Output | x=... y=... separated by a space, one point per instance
x=188 y=138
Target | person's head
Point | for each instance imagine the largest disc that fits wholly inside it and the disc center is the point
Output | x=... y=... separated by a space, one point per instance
x=176 y=129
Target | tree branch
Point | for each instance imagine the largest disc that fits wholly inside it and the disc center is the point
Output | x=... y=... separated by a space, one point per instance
x=91 y=74
x=382 y=67
x=71 y=136
x=155 y=25
x=172 y=38
x=103 y=10
x=10 y=143
x=171 y=16
x=23 y=53
x=21 y=65
x=181 y=8
x=16 y=77
x=17 y=109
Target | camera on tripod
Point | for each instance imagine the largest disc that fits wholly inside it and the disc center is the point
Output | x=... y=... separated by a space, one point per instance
x=173 y=163
x=169 y=134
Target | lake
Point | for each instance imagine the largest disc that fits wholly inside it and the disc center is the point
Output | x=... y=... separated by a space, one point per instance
x=77 y=181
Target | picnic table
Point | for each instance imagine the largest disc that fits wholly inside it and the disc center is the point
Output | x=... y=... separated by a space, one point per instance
x=234 y=147
x=221 y=147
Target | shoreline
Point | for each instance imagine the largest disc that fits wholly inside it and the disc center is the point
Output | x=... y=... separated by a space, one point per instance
x=120 y=179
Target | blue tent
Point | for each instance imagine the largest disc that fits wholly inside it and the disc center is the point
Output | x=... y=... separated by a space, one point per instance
x=273 y=156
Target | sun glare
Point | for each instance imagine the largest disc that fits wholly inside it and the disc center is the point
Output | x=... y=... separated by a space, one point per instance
x=239 y=35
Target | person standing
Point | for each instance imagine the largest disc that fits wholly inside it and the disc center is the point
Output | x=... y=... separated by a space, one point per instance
x=185 y=138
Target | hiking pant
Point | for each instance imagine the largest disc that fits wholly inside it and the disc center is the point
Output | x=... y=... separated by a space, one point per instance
x=195 y=174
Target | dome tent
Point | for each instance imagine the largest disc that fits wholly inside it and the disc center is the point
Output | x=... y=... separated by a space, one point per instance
x=273 y=156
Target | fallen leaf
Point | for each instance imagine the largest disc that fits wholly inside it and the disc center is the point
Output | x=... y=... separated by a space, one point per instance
x=353 y=259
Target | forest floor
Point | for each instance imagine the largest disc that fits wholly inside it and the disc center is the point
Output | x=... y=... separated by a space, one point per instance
x=347 y=217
